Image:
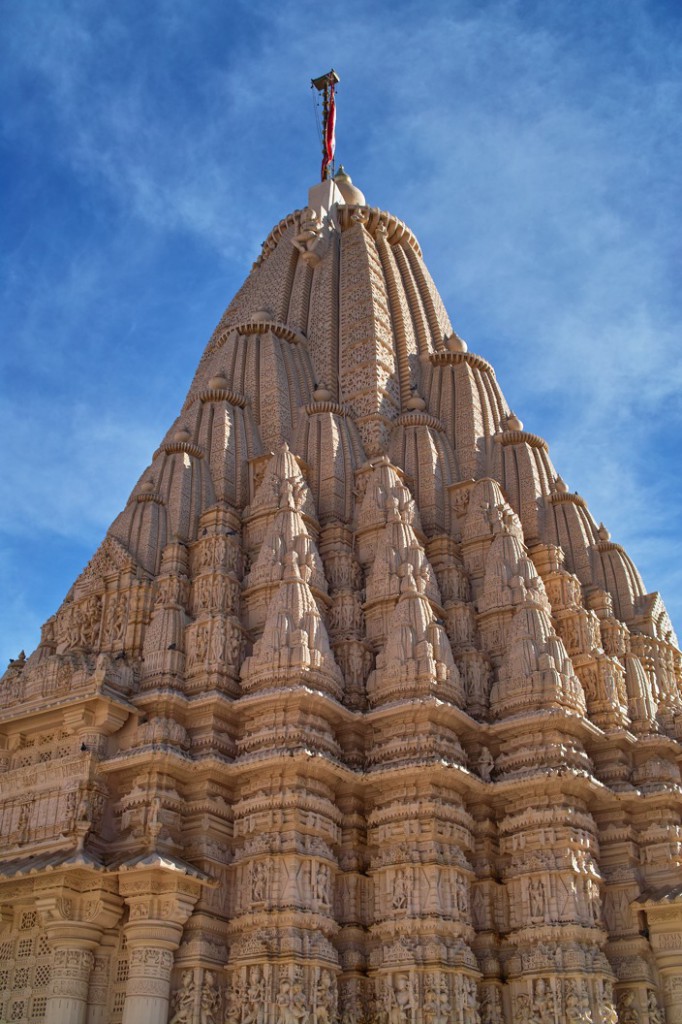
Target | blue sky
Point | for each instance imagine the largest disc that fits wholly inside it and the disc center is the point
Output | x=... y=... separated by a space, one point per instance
x=147 y=149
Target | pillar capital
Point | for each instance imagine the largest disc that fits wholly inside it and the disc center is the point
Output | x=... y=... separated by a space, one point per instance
x=76 y=915
x=160 y=903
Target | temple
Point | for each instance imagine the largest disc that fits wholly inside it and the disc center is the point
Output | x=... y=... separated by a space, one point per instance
x=356 y=716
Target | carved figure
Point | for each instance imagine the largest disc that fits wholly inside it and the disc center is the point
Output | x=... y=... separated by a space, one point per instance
x=491 y=1006
x=182 y=1006
x=470 y=1013
x=444 y=1003
x=653 y=1009
x=627 y=1011
x=325 y=999
x=401 y=890
x=462 y=895
x=430 y=1007
x=536 y=897
x=576 y=1004
x=259 y=881
x=84 y=806
x=542 y=1010
x=401 y=1000
x=254 y=998
x=291 y=1002
x=321 y=887
x=486 y=763
x=211 y=1002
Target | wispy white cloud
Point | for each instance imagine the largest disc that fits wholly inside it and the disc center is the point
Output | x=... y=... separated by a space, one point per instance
x=529 y=146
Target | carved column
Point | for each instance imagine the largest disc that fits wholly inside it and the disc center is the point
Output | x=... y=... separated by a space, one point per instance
x=67 y=1003
x=100 y=980
x=160 y=905
x=665 y=932
x=73 y=921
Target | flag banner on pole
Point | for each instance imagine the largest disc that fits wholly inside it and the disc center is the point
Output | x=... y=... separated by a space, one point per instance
x=329 y=132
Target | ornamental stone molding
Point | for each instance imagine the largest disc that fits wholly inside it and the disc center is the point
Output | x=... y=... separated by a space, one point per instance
x=357 y=715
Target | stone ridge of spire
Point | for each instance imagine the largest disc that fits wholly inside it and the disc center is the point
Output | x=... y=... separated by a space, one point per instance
x=356 y=708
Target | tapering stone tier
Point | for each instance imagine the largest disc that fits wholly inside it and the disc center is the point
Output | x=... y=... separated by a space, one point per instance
x=356 y=716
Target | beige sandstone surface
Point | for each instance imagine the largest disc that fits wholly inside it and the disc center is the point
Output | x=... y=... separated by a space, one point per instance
x=356 y=715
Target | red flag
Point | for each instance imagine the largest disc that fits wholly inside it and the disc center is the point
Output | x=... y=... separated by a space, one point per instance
x=329 y=132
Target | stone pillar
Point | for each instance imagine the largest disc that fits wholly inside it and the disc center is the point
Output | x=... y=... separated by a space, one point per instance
x=74 y=920
x=148 y=988
x=100 y=980
x=160 y=905
x=665 y=934
x=68 y=999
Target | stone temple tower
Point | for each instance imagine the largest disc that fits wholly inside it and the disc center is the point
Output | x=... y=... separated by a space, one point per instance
x=356 y=715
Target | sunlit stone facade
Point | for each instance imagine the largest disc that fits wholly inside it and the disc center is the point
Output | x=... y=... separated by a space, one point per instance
x=356 y=715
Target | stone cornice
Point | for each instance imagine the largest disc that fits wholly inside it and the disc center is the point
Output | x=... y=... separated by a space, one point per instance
x=222 y=395
x=566 y=496
x=277 y=232
x=177 y=447
x=314 y=408
x=247 y=327
x=371 y=217
x=507 y=437
x=420 y=419
x=446 y=358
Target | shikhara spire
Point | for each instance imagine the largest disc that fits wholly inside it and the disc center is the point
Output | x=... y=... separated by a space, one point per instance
x=356 y=714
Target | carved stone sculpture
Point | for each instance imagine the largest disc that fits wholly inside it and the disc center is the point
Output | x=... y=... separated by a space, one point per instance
x=356 y=715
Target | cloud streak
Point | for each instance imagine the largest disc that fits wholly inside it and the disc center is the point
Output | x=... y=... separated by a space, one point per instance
x=528 y=145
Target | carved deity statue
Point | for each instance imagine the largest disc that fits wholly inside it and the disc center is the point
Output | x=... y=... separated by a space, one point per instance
x=576 y=1003
x=627 y=1011
x=254 y=997
x=653 y=1009
x=259 y=881
x=401 y=890
x=491 y=1006
x=401 y=1006
x=430 y=1009
x=542 y=1010
x=182 y=1006
x=470 y=1014
x=211 y=1002
x=325 y=999
x=321 y=884
x=486 y=763
x=522 y=1009
x=292 y=1006
x=536 y=898
x=462 y=895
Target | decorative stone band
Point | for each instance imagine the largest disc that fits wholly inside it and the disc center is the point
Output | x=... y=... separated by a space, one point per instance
x=179 y=446
x=222 y=395
x=420 y=419
x=71 y=973
x=521 y=437
x=608 y=545
x=270 y=243
x=574 y=499
x=334 y=407
x=272 y=327
x=147 y=496
x=443 y=358
x=397 y=233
